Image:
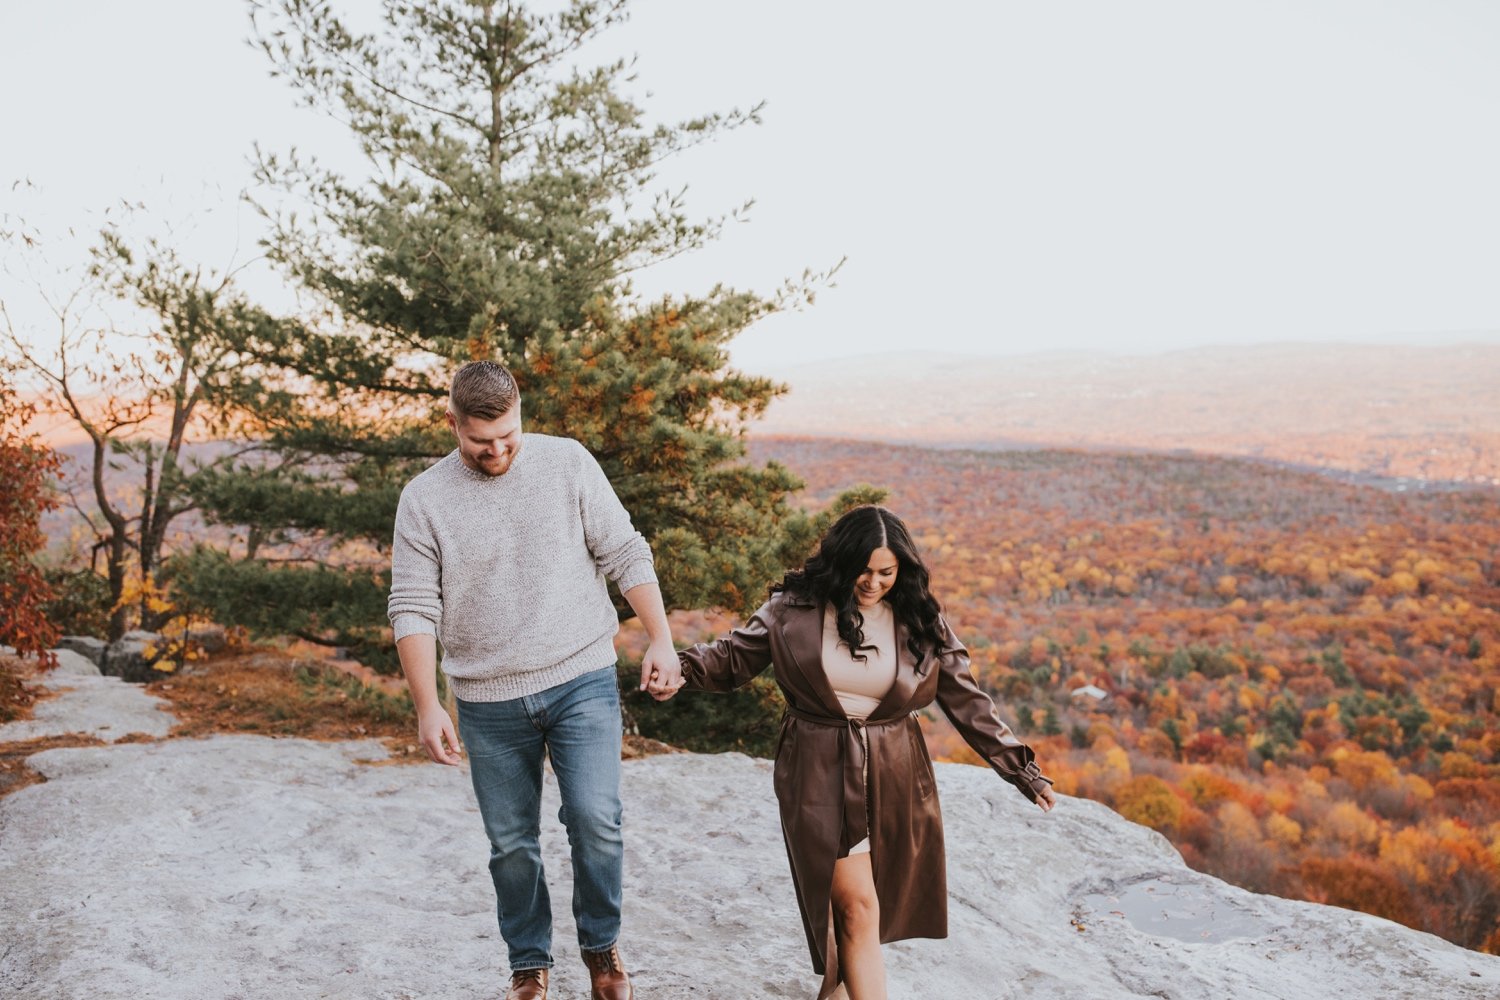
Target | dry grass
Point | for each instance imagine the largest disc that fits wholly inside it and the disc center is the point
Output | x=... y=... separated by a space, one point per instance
x=637 y=747
x=268 y=694
x=15 y=775
x=18 y=697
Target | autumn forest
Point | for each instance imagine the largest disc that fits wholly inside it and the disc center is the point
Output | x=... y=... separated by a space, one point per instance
x=1296 y=680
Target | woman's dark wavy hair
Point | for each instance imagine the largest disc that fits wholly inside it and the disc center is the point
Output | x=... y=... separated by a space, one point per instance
x=843 y=554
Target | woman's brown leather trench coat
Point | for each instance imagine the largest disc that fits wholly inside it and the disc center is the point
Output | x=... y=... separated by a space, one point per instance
x=819 y=770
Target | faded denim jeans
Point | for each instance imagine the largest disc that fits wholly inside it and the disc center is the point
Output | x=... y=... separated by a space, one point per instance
x=577 y=724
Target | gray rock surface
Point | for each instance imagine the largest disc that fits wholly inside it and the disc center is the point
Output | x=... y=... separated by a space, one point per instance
x=88 y=704
x=86 y=645
x=208 y=638
x=126 y=657
x=246 y=867
x=71 y=663
x=242 y=867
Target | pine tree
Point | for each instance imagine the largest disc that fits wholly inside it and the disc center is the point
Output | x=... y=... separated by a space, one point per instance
x=1051 y=724
x=509 y=198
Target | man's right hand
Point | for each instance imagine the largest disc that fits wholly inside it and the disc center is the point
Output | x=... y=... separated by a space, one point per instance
x=418 y=653
x=435 y=730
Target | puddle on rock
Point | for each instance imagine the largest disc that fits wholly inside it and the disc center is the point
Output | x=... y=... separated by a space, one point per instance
x=1187 y=911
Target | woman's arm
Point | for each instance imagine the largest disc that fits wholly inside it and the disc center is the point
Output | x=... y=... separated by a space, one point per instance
x=973 y=714
x=732 y=661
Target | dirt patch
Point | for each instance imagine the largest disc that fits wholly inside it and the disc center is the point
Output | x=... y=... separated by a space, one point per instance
x=15 y=775
x=18 y=698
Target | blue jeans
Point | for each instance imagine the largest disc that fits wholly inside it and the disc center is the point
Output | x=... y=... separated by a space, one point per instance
x=577 y=724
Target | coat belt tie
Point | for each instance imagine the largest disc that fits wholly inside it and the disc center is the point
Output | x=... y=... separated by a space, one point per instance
x=854 y=753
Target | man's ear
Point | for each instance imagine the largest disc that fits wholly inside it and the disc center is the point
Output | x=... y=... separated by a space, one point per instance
x=452 y=422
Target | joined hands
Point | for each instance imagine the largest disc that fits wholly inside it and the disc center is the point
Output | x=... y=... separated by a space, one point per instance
x=661 y=671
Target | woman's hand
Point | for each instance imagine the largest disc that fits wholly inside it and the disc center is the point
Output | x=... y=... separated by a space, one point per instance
x=1046 y=798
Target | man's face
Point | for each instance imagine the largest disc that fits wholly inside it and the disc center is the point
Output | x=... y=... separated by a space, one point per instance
x=488 y=446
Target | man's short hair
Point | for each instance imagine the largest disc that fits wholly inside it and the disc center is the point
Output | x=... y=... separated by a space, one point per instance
x=483 y=389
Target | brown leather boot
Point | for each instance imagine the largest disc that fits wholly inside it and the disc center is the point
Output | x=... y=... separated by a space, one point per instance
x=607 y=977
x=528 y=984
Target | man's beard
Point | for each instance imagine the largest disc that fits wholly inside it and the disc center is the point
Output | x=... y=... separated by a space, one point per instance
x=492 y=467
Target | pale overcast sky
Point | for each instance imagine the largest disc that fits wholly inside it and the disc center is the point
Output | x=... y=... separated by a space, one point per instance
x=1004 y=176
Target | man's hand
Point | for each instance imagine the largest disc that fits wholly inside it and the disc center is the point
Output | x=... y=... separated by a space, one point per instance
x=661 y=671
x=418 y=653
x=435 y=730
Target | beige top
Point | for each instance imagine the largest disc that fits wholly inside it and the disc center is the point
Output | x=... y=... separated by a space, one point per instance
x=858 y=684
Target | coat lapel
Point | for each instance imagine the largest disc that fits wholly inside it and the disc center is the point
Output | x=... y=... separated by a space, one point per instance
x=802 y=632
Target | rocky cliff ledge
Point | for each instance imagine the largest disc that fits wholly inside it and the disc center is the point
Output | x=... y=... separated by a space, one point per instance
x=246 y=867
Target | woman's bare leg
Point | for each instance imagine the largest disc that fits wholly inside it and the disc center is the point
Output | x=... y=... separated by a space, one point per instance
x=856 y=919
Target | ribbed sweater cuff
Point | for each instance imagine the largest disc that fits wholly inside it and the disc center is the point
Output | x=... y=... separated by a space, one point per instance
x=410 y=623
x=520 y=683
x=637 y=573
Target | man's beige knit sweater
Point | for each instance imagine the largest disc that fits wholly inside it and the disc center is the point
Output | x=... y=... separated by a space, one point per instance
x=509 y=571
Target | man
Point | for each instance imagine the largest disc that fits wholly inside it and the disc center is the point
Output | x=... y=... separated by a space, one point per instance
x=502 y=550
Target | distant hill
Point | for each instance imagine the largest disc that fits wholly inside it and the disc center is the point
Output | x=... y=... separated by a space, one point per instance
x=1423 y=413
x=65 y=527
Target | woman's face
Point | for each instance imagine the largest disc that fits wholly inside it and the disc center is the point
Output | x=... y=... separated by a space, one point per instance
x=877 y=579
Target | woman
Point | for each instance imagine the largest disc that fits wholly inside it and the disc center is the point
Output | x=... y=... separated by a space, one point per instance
x=858 y=646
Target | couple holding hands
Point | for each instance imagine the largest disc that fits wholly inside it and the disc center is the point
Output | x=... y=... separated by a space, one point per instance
x=503 y=549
